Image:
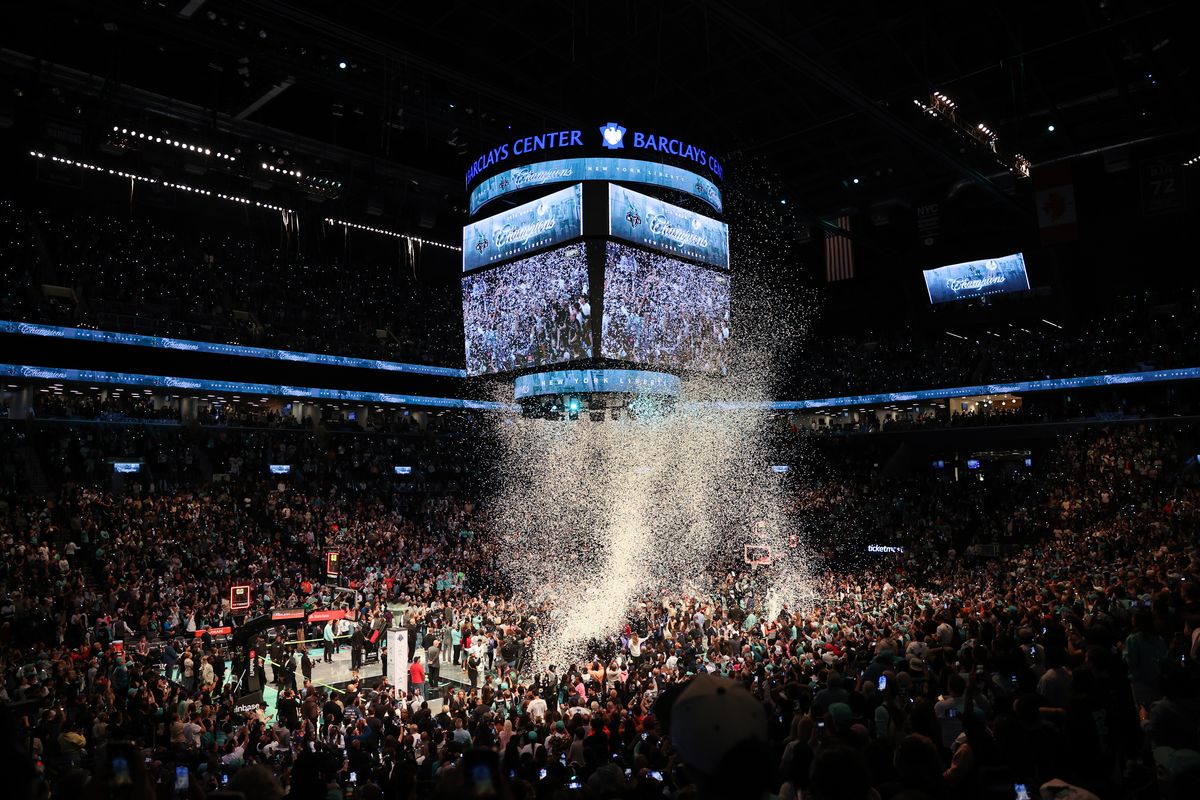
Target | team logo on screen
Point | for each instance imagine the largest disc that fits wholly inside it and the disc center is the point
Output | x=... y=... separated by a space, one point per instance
x=632 y=215
x=481 y=243
x=613 y=135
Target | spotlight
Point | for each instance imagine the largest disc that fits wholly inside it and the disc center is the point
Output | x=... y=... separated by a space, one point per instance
x=341 y=65
x=856 y=181
x=1050 y=128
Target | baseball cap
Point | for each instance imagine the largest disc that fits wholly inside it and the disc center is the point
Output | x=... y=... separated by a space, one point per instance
x=711 y=717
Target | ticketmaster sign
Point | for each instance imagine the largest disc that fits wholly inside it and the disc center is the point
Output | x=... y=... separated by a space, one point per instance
x=977 y=279
x=540 y=223
x=668 y=228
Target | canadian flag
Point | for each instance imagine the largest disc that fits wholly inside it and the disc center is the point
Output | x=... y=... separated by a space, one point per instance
x=1055 y=196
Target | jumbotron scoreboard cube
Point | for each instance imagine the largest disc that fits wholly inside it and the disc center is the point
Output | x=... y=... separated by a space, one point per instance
x=595 y=268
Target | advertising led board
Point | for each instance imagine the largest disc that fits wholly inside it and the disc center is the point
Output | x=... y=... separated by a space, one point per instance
x=237 y=387
x=1014 y=387
x=540 y=223
x=218 y=348
x=572 y=170
x=650 y=222
x=612 y=136
x=622 y=381
x=286 y=614
x=977 y=279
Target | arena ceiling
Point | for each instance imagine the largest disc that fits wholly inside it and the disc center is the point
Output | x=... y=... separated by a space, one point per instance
x=821 y=95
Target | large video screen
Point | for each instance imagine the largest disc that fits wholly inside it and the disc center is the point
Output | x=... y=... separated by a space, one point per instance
x=565 y=170
x=663 y=311
x=528 y=313
x=977 y=279
x=665 y=227
x=540 y=223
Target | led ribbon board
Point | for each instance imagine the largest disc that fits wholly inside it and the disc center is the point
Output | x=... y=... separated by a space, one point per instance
x=621 y=381
x=612 y=137
x=540 y=223
x=113 y=337
x=1017 y=387
x=232 y=387
x=977 y=279
x=571 y=170
x=650 y=222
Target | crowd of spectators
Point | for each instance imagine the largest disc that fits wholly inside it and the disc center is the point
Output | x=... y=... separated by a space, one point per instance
x=144 y=406
x=267 y=290
x=1132 y=333
x=1091 y=406
x=170 y=457
x=1037 y=631
x=146 y=277
x=936 y=672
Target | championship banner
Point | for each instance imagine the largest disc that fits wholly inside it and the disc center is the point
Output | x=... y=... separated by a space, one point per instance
x=543 y=222
x=977 y=279
x=648 y=221
x=397 y=645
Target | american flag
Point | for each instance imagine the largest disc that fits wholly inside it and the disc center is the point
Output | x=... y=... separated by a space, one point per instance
x=839 y=252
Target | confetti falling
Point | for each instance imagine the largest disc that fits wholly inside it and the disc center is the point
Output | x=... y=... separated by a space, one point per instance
x=603 y=520
x=601 y=516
